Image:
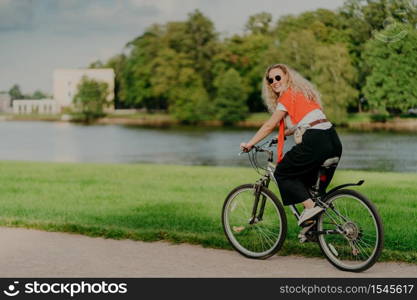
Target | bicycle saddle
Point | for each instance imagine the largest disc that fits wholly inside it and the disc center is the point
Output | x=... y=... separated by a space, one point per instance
x=330 y=162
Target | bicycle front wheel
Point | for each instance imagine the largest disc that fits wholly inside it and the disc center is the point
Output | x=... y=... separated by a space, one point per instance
x=259 y=237
x=351 y=233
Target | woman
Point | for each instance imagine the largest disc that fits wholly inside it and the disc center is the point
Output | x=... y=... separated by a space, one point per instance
x=288 y=95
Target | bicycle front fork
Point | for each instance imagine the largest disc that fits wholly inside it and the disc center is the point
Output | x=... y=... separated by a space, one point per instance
x=256 y=217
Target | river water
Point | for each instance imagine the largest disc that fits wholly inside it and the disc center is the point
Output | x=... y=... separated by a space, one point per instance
x=68 y=142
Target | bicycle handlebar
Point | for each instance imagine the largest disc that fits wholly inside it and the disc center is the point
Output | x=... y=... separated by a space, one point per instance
x=270 y=143
x=252 y=155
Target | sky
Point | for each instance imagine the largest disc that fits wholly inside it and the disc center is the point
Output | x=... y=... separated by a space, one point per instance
x=38 y=36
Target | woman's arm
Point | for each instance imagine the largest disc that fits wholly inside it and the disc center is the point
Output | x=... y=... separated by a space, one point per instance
x=265 y=130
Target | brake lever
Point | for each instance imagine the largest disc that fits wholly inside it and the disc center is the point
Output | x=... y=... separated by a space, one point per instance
x=273 y=142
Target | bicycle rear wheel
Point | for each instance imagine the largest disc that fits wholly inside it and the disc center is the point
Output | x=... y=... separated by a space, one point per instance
x=262 y=237
x=354 y=238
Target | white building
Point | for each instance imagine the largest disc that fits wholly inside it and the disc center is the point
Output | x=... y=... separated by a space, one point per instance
x=5 y=103
x=66 y=81
x=42 y=106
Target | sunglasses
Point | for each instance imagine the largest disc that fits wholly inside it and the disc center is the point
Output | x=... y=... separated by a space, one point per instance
x=271 y=80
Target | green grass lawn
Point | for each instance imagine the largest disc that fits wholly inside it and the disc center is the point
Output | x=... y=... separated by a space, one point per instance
x=176 y=203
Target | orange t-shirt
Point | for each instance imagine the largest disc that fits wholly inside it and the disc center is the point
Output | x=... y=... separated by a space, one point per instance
x=297 y=106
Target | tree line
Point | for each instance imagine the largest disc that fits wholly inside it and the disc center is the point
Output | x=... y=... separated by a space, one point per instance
x=362 y=56
x=16 y=93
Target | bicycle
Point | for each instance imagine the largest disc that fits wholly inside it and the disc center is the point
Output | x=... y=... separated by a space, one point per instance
x=349 y=230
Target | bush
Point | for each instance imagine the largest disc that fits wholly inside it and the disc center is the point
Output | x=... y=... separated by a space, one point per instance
x=380 y=117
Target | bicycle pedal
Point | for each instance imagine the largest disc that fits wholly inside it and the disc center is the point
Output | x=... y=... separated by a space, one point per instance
x=302 y=238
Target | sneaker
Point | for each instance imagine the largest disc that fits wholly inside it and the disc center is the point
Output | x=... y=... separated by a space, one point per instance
x=309 y=213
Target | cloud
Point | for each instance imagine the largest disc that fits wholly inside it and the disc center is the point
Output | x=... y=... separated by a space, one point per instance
x=75 y=16
x=16 y=15
x=104 y=14
x=81 y=17
x=170 y=8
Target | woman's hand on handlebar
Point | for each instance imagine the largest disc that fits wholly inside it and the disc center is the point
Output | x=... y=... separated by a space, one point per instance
x=246 y=147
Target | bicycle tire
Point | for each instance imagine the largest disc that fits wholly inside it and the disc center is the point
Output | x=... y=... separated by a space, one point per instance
x=282 y=217
x=331 y=254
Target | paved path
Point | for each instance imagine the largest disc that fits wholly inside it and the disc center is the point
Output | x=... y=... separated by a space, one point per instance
x=34 y=253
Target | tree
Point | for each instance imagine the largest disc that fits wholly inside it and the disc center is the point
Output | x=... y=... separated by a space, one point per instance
x=230 y=101
x=259 y=23
x=175 y=81
x=334 y=76
x=91 y=98
x=324 y=24
x=246 y=54
x=392 y=59
x=38 y=95
x=117 y=63
x=137 y=69
x=200 y=44
x=161 y=59
x=189 y=99
x=297 y=50
x=378 y=14
x=364 y=18
x=96 y=64
x=15 y=92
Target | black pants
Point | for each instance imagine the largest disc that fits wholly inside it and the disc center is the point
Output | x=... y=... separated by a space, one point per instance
x=299 y=168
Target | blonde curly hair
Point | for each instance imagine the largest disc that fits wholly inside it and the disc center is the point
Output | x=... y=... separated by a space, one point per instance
x=295 y=81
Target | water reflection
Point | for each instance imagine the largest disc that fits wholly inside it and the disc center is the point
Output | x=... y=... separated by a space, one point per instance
x=56 y=141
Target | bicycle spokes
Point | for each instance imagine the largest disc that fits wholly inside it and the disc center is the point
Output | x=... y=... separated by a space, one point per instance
x=357 y=234
x=253 y=223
